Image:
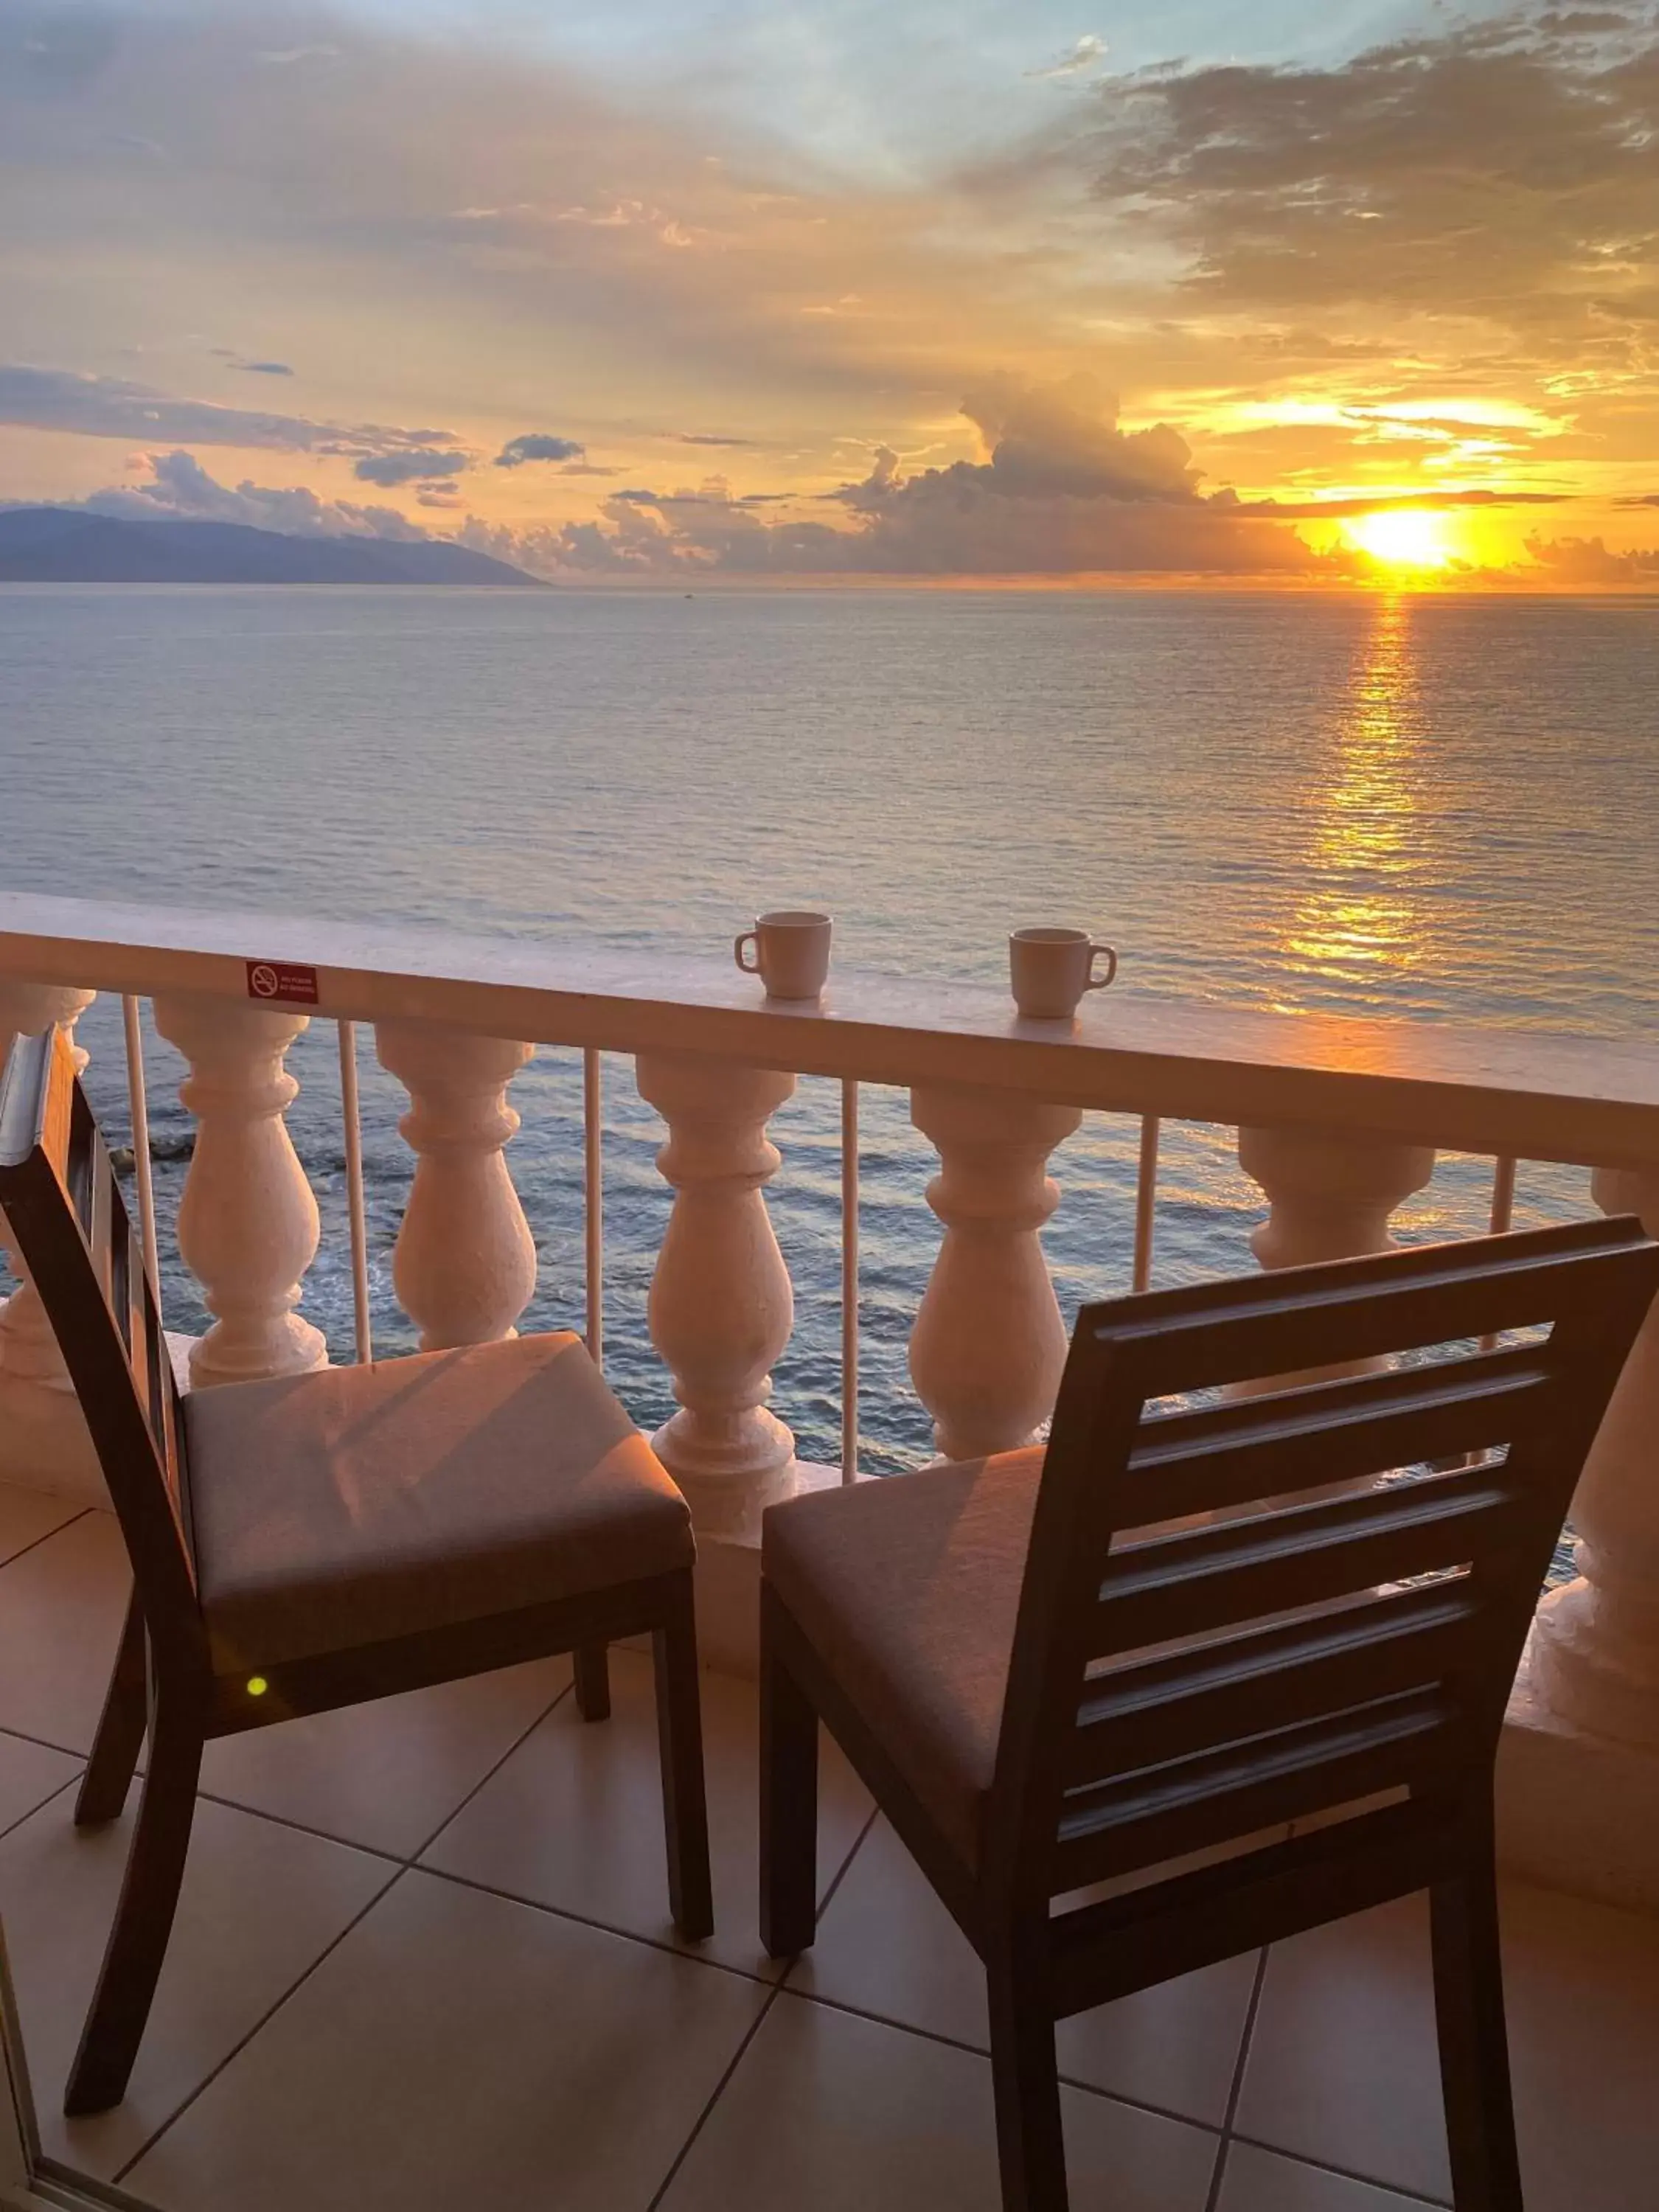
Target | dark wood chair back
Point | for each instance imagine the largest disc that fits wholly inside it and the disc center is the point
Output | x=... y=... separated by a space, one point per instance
x=1286 y=1648
x=63 y=1205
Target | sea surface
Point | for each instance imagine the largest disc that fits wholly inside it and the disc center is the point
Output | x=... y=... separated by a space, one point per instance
x=1430 y=809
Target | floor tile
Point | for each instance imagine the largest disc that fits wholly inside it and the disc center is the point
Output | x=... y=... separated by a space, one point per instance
x=29 y=1774
x=260 y=1904
x=1261 y=2181
x=574 y=1818
x=385 y=1775
x=460 y=2050
x=1343 y=2065
x=26 y=1516
x=1582 y=1989
x=61 y=1608
x=887 y=1946
x=828 y=2114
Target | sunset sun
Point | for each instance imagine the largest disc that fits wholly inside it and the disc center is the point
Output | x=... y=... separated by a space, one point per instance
x=1403 y=537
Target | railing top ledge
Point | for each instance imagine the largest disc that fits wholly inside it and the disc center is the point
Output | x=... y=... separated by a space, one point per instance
x=1534 y=1094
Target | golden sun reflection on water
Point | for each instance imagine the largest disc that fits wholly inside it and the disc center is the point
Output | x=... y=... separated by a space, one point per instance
x=1359 y=913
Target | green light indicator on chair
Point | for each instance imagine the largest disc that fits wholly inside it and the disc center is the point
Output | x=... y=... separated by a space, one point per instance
x=257 y=1686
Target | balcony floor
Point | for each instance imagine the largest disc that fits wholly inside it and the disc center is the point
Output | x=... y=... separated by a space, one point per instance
x=423 y=1960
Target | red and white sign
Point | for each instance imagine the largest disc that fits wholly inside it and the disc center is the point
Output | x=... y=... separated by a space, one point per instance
x=282 y=983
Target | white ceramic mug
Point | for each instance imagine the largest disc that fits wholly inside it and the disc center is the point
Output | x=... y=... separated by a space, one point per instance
x=1051 y=968
x=792 y=953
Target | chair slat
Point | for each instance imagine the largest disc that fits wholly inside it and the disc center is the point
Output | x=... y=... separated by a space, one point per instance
x=1180 y=1586
x=77 y=1166
x=1220 y=1456
x=99 y=1225
x=118 y=1266
x=1409 y=1741
x=1113 y=1946
x=1312 y=1317
x=1241 y=1686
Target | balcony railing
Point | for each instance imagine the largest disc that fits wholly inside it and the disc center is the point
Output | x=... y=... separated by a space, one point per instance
x=1339 y=1123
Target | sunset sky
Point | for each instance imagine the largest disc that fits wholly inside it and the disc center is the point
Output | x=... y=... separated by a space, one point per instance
x=873 y=288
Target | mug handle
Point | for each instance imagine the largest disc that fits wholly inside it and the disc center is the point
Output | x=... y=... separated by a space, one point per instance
x=746 y=937
x=1099 y=982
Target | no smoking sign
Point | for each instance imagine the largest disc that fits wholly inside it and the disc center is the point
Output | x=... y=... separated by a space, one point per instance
x=282 y=983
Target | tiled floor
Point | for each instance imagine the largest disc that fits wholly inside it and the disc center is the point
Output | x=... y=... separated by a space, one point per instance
x=423 y=1960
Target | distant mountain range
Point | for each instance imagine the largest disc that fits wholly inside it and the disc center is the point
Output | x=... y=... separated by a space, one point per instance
x=67 y=546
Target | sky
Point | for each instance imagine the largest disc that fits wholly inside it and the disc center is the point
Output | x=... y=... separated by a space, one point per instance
x=1308 y=291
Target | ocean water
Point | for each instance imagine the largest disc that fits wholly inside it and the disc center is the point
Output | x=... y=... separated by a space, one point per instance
x=1429 y=809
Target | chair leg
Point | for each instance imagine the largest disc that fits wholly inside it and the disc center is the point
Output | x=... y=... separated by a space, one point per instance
x=143 y=1917
x=592 y=1666
x=1025 y=2075
x=788 y=1808
x=1474 y=2055
x=679 y=1735
x=121 y=1724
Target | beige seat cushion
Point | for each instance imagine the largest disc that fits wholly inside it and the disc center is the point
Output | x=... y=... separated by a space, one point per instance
x=340 y=1509
x=909 y=1590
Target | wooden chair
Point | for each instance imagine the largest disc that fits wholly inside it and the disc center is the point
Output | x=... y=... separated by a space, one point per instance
x=1172 y=1634
x=324 y=1539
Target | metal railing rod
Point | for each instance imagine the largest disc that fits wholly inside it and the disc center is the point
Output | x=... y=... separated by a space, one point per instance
x=1503 y=1196
x=593 y=1182
x=1146 y=1203
x=1502 y=1213
x=138 y=1103
x=356 y=1208
x=849 y=1280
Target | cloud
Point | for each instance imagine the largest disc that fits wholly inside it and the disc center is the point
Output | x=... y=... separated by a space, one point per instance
x=1501 y=170
x=288 y=57
x=113 y=407
x=178 y=487
x=940 y=523
x=1639 y=499
x=1428 y=500
x=1082 y=55
x=1587 y=561
x=1064 y=490
x=651 y=224
x=707 y=438
x=539 y=446
x=264 y=367
x=410 y=466
x=482 y=185
x=63 y=48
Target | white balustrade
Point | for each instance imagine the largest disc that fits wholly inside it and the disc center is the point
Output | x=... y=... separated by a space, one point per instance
x=1595 y=1655
x=247 y=1221
x=43 y=1438
x=721 y=1306
x=464 y=1266
x=1331 y=1196
x=989 y=1345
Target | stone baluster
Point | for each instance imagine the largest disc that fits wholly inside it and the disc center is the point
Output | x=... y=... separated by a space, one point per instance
x=1595 y=1654
x=464 y=1266
x=721 y=1306
x=43 y=1438
x=1331 y=1197
x=247 y=1221
x=989 y=1345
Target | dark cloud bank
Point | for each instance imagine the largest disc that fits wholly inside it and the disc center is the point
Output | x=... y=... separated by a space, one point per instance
x=1065 y=490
